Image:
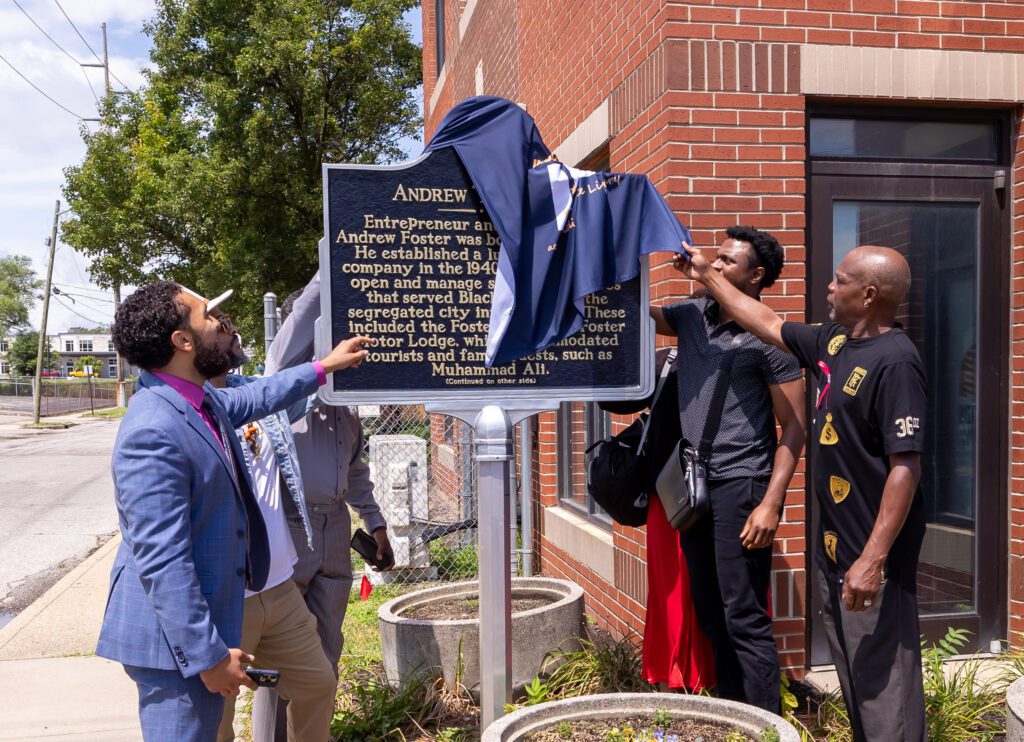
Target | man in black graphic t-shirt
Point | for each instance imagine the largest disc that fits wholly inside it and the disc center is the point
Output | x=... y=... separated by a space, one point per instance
x=867 y=438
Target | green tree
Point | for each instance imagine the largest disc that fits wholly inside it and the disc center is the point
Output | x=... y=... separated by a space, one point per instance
x=23 y=352
x=84 y=361
x=18 y=286
x=211 y=175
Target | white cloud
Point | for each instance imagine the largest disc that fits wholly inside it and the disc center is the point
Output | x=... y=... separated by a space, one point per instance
x=38 y=140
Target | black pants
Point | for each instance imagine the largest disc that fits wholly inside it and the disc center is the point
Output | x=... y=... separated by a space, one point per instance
x=878 y=655
x=729 y=587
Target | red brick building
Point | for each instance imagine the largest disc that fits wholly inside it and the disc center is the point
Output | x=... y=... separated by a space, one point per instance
x=830 y=123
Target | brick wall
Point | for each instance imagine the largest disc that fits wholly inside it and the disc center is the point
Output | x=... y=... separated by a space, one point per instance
x=707 y=98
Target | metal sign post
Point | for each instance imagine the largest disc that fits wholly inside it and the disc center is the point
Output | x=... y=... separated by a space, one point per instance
x=493 y=426
x=494 y=457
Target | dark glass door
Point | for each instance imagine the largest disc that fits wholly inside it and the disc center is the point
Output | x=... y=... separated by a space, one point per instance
x=948 y=222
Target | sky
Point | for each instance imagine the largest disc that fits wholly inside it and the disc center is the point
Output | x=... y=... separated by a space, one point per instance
x=38 y=139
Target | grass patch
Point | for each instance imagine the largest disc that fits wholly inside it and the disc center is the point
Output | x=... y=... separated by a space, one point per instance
x=361 y=630
x=110 y=413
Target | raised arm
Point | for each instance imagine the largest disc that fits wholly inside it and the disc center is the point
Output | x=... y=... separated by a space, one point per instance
x=293 y=343
x=749 y=313
x=272 y=393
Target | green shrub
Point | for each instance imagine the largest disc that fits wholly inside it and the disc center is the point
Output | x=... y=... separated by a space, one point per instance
x=959 y=709
x=454 y=563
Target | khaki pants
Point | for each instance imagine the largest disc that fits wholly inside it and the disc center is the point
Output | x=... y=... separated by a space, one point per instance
x=280 y=632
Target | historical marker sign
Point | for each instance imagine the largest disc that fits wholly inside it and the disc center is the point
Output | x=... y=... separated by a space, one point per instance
x=411 y=254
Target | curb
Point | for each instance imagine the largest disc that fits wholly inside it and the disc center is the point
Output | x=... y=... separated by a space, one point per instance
x=24 y=619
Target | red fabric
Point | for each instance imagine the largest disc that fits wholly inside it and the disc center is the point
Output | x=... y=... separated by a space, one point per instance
x=365 y=588
x=675 y=649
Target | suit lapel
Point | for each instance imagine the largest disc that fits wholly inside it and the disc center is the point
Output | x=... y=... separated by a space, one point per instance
x=192 y=417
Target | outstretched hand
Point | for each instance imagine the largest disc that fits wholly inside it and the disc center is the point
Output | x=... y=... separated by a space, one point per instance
x=347 y=353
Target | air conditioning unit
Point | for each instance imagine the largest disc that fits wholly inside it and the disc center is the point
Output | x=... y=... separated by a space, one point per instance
x=398 y=467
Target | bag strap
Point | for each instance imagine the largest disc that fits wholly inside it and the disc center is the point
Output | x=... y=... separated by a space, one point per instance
x=718 y=399
x=669 y=360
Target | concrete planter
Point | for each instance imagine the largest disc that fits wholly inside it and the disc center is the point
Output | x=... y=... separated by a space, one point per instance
x=748 y=719
x=1015 y=711
x=412 y=645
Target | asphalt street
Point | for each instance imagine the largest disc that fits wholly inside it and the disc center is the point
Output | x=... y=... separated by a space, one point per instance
x=56 y=503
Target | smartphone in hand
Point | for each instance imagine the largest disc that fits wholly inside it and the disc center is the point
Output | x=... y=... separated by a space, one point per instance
x=263 y=678
x=365 y=546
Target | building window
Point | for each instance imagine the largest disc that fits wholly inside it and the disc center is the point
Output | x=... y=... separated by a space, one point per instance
x=449 y=428
x=439 y=34
x=5 y=369
x=4 y=346
x=580 y=425
x=69 y=346
x=85 y=346
x=69 y=366
x=112 y=367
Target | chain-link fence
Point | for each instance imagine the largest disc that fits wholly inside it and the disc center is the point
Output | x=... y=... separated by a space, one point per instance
x=424 y=473
x=59 y=397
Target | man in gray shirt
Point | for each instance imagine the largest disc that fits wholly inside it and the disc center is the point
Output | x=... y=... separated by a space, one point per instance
x=729 y=551
x=329 y=445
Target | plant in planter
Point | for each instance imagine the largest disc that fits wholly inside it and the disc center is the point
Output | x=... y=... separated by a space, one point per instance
x=641 y=717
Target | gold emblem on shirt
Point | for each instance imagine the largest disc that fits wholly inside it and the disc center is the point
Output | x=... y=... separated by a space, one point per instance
x=853 y=383
x=829 y=435
x=835 y=344
x=839 y=488
x=830 y=545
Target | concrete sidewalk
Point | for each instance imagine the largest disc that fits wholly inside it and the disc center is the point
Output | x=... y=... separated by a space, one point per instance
x=51 y=683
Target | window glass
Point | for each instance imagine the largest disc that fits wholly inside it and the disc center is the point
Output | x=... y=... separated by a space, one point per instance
x=580 y=425
x=904 y=140
x=439 y=33
x=941 y=243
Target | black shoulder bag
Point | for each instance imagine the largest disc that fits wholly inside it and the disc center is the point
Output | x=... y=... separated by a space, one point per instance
x=683 y=482
x=614 y=475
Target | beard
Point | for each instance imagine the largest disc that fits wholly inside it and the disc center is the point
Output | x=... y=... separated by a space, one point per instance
x=211 y=361
x=238 y=359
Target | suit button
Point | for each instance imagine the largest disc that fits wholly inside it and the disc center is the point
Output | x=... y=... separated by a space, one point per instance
x=241 y=533
x=240 y=571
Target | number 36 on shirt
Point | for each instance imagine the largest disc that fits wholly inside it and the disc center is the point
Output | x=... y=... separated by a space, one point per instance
x=907 y=426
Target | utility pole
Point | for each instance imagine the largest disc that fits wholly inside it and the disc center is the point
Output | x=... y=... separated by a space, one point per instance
x=106 y=62
x=120 y=391
x=46 y=310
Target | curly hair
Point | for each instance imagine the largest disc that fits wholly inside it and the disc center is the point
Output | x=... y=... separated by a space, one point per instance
x=288 y=303
x=766 y=249
x=145 y=321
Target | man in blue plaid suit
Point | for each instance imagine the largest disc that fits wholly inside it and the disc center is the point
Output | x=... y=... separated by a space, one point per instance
x=193 y=537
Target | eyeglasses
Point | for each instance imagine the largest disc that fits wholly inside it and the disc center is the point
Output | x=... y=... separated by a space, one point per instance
x=226 y=324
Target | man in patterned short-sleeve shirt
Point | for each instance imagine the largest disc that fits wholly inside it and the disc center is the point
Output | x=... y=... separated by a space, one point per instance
x=728 y=553
x=867 y=439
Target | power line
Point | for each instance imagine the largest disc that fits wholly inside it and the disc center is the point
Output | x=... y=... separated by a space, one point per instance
x=78 y=32
x=89 y=83
x=43 y=32
x=38 y=89
x=83 y=297
x=123 y=84
x=83 y=287
x=73 y=311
